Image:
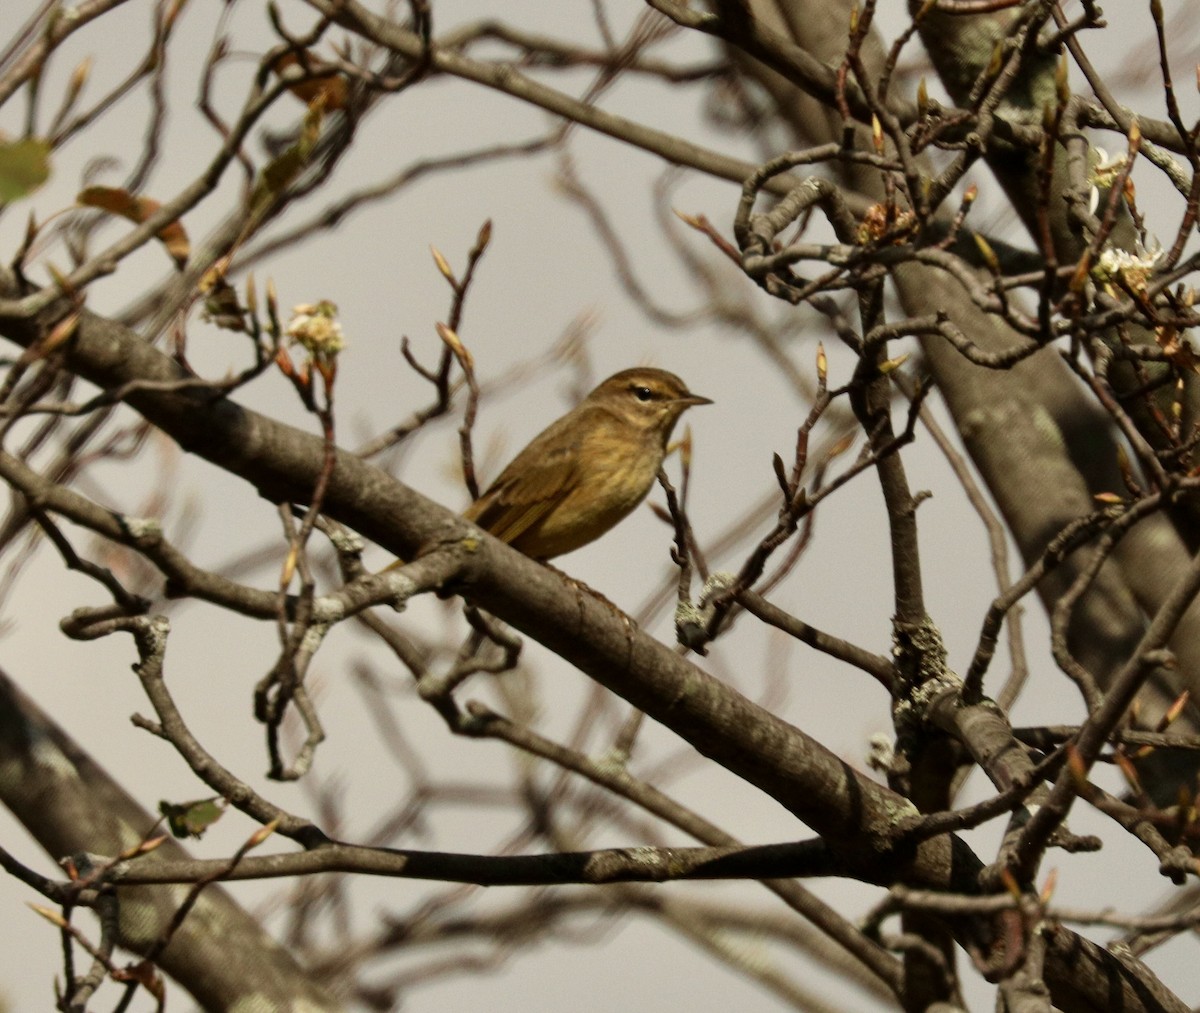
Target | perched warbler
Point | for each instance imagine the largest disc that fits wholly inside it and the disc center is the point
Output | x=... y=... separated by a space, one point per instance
x=589 y=469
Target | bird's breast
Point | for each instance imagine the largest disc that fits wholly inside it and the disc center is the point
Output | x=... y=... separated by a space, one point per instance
x=613 y=477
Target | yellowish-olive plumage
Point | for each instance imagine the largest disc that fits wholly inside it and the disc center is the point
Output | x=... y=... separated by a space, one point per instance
x=588 y=470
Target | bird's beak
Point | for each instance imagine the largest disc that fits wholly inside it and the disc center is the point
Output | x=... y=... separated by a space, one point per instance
x=693 y=399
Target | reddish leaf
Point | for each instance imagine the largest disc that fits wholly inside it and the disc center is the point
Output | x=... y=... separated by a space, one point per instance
x=331 y=87
x=137 y=209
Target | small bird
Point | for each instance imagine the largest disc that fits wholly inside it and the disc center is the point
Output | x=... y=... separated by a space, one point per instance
x=589 y=469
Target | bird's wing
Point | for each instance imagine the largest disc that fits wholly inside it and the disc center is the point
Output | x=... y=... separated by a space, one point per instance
x=527 y=490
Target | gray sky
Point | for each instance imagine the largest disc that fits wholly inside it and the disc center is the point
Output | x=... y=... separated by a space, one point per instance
x=544 y=270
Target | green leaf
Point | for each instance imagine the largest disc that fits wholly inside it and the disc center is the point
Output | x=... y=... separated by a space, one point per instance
x=277 y=175
x=24 y=166
x=191 y=819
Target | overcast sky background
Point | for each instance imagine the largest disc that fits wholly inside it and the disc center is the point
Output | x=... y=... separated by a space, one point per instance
x=544 y=270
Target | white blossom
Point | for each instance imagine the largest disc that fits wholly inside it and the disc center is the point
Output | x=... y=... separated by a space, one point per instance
x=316 y=328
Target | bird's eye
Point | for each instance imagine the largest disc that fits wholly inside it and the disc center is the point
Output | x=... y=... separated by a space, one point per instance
x=643 y=393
